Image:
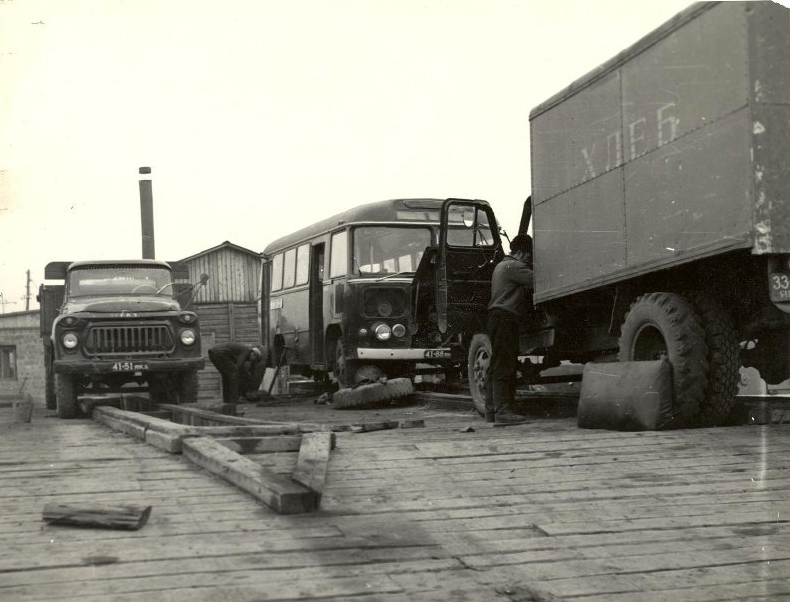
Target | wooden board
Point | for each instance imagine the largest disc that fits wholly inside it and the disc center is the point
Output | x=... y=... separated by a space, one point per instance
x=313 y=462
x=119 y=516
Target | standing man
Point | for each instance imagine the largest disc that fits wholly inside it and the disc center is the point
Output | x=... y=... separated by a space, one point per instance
x=511 y=297
x=241 y=368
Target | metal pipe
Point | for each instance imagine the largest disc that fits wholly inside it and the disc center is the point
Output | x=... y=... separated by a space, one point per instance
x=147 y=214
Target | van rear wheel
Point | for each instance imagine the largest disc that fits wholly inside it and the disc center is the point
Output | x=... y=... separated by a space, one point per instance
x=665 y=325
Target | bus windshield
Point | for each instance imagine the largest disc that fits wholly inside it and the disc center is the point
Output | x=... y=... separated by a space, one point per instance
x=381 y=250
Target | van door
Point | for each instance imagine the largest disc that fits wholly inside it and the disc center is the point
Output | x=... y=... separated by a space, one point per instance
x=469 y=248
x=317 y=304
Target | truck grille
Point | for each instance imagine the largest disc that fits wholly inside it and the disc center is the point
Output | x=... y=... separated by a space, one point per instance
x=127 y=339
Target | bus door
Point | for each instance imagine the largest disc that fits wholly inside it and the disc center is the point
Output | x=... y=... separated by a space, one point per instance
x=469 y=248
x=316 y=315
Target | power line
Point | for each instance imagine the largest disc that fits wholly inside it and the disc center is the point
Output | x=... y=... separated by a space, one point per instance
x=3 y=303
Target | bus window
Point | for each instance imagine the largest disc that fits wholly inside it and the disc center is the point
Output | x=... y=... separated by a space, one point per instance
x=405 y=264
x=277 y=272
x=339 y=257
x=302 y=264
x=289 y=271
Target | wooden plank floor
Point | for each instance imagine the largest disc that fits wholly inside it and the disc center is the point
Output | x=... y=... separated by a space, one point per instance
x=542 y=511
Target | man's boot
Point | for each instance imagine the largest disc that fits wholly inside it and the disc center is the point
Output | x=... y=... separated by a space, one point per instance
x=503 y=413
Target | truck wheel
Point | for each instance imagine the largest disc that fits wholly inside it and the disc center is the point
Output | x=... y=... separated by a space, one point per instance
x=478 y=364
x=187 y=386
x=662 y=325
x=66 y=395
x=49 y=380
x=723 y=360
x=344 y=369
x=158 y=388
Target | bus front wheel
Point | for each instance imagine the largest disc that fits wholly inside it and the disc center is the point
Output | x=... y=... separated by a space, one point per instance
x=344 y=369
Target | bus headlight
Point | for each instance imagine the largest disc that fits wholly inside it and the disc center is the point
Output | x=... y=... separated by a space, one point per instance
x=382 y=332
x=70 y=340
x=399 y=330
x=188 y=336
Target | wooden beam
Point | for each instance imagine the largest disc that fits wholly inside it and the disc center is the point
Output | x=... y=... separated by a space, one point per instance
x=280 y=493
x=121 y=516
x=118 y=423
x=313 y=461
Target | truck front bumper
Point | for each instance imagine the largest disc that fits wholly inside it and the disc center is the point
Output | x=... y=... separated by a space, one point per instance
x=81 y=366
x=371 y=353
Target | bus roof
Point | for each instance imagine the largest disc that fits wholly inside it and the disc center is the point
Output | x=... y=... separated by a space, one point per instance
x=395 y=210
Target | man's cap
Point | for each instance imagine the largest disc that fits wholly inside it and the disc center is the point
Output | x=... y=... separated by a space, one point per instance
x=522 y=242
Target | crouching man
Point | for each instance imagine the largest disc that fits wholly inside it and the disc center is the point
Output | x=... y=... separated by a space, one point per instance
x=241 y=368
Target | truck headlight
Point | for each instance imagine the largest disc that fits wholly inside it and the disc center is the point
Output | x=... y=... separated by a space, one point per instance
x=188 y=336
x=70 y=340
x=399 y=330
x=383 y=332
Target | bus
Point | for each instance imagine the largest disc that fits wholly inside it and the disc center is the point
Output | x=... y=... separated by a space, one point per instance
x=365 y=293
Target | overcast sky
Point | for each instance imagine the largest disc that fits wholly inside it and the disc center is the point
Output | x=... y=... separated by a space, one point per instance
x=260 y=117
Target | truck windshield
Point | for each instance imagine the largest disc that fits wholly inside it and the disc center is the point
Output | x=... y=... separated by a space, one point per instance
x=380 y=250
x=120 y=280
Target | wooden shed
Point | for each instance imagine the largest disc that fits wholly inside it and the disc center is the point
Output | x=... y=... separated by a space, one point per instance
x=227 y=305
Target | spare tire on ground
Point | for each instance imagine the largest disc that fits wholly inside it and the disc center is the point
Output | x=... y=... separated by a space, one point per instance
x=369 y=394
x=626 y=396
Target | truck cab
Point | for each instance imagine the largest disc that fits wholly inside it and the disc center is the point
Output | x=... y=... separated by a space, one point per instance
x=116 y=324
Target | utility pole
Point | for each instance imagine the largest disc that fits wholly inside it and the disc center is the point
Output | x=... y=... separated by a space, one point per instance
x=27 y=292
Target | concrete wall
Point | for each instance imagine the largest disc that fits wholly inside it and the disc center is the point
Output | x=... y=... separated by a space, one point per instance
x=21 y=330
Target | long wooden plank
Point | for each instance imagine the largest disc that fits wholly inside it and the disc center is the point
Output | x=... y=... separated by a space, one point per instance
x=281 y=494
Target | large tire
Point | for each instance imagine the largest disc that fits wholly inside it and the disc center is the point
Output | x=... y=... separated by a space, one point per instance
x=344 y=369
x=366 y=395
x=666 y=325
x=478 y=366
x=50 y=398
x=66 y=395
x=723 y=361
x=187 y=386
